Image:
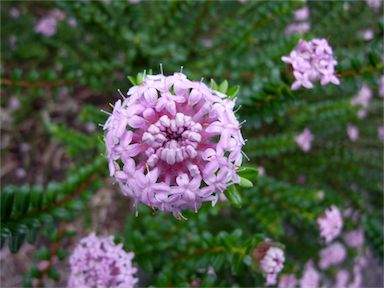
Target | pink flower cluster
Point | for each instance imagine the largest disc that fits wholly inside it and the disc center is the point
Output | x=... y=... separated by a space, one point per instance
x=311 y=61
x=311 y=277
x=332 y=255
x=47 y=25
x=99 y=262
x=304 y=140
x=174 y=143
x=352 y=132
x=330 y=223
x=300 y=26
x=362 y=98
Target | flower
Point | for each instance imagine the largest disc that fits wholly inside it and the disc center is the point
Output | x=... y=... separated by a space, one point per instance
x=353 y=132
x=342 y=278
x=374 y=4
x=72 y=22
x=301 y=14
x=311 y=61
x=304 y=140
x=362 y=98
x=99 y=262
x=367 y=34
x=173 y=143
x=311 y=277
x=332 y=255
x=14 y=12
x=381 y=87
x=380 y=133
x=354 y=238
x=270 y=260
x=298 y=28
x=46 y=26
x=330 y=224
x=287 y=281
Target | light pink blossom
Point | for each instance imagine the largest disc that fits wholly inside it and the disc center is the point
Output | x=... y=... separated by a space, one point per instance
x=272 y=262
x=311 y=277
x=99 y=262
x=287 y=281
x=312 y=61
x=374 y=4
x=380 y=133
x=301 y=14
x=14 y=12
x=342 y=277
x=353 y=132
x=178 y=141
x=330 y=224
x=362 y=98
x=297 y=28
x=304 y=140
x=354 y=238
x=381 y=86
x=332 y=255
x=46 y=26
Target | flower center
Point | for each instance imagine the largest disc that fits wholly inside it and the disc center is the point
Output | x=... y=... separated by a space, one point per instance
x=172 y=140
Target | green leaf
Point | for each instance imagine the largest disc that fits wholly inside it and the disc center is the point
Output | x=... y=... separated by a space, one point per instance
x=7 y=198
x=53 y=274
x=133 y=80
x=233 y=196
x=214 y=85
x=245 y=183
x=248 y=172
x=22 y=200
x=223 y=87
x=233 y=91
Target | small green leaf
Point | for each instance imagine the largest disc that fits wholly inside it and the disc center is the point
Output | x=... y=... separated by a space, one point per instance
x=214 y=85
x=245 y=183
x=232 y=92
x=7 y=198
x=53 y=274
x=233 y=196
x=223 y=87
x=248 y=172
x=133 y=80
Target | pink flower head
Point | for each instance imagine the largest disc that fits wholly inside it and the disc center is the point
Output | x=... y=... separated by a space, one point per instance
x=99 y=262
x=297 y=28
x=311 y=277
x=14 y=12
x=178 y=143
x=381 y=87
x=304 y=140
x=353 y=132
x=273 y=261
x=342 y=278
x=355 y=238
x=301 y=14
x=287 y=281
x=374 y=4
x=367 y=34
x=362 y=98
x=311 y=61
x=380 y=133
x=46 y=26
x=330 y=223
x=332 y=255
x=72 y=22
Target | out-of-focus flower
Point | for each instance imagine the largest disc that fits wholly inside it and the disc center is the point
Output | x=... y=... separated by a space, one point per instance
x=332 y=255
x=134 y=1
x=342 y=277
x=287 y=281
x=380 y=133
x=207 y=42
x=46 y=26
x=367 y=34
x=304 y=140
x=357 y=277
x=312 y=61
x=374 y=4
x=355 y=238
x=99 y=262
x=362 y=98
x=297 y=28
x=72 y=22
x=270 y=260
x=381 y=86
x=178 y=141
x=311 y=277
x=14 y=103
x=353 y=132
x=20 y=173
x=14 y=12
x=12 y=41
x=301 y=14
x=261 y=170
x=330 y=224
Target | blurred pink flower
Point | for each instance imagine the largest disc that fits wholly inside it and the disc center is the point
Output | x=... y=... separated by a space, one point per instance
x=261 y=170
x=362 y=98
x=301 y=14
x=46 y=26
x=353 y=132
x=332 y=255
x=367 y=34
x=380 y=133
x=342 y=277
x=374 y=4
x=381 y=86
x=297 y=28
x=304 y=140
x=311 y=277
x=330 y=224
x=287 y=281
x=14 y=103
x=72 y=22
x=14 y=12
x=355 y=238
